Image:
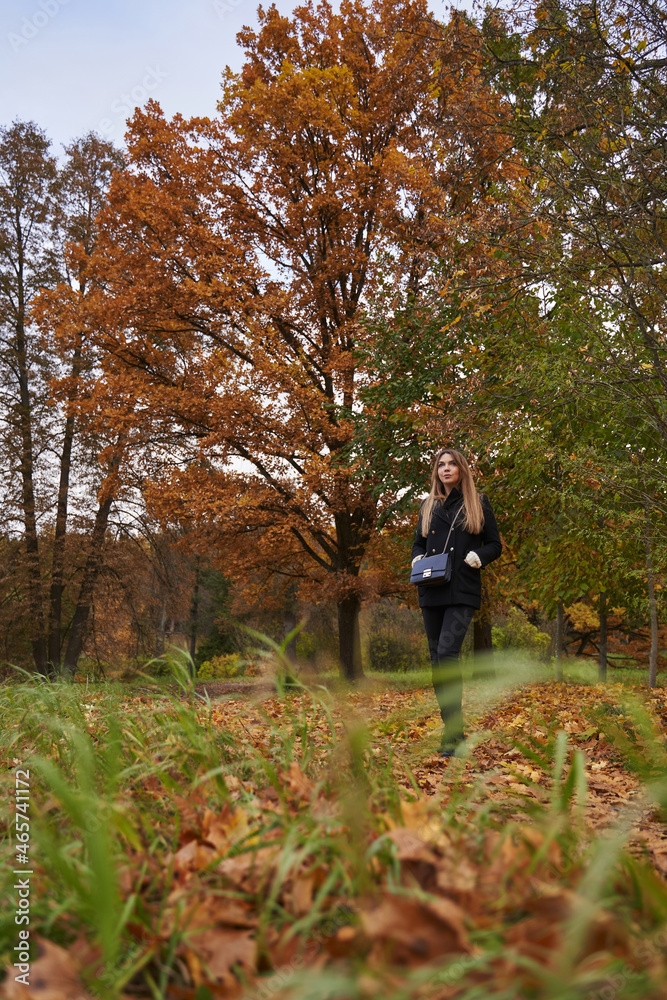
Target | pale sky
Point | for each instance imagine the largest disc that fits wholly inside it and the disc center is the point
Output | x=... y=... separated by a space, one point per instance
x=73 y=66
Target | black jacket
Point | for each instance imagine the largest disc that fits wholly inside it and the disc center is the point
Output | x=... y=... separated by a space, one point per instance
x=465 y=586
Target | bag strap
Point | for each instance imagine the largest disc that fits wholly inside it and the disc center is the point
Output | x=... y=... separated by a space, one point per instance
x=451 y=528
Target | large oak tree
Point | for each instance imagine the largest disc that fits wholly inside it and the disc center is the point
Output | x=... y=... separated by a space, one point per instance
x=236 y=256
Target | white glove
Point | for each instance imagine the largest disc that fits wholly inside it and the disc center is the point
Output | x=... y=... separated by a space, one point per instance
x=416 y=558
x=473 y=560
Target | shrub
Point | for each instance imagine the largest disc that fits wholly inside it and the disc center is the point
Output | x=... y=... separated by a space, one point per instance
x=227 y=666
x=394 y=638
x=89 y=669
x=307 y=647
x=390 y=652
x=518 y=633
x=157 y=667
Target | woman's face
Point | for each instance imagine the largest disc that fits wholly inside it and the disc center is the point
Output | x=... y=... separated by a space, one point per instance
x=449 y=473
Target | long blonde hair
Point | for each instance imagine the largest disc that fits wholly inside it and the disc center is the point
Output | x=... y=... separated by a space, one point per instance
x=474 y=514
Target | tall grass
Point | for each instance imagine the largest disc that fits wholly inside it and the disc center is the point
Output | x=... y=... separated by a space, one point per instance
x=119 y=779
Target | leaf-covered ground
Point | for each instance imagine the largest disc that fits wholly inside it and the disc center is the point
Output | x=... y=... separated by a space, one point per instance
x=309 y=845
x=406 y=725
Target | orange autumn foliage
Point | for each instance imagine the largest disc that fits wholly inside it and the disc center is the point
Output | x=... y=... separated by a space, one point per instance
x=235 y=257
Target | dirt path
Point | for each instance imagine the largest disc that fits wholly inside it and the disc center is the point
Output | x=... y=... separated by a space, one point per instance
x=406 y=723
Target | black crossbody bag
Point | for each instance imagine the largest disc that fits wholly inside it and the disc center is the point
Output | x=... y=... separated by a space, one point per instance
x=433 y=571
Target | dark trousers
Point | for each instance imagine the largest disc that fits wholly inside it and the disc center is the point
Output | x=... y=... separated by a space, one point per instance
x=446 y=627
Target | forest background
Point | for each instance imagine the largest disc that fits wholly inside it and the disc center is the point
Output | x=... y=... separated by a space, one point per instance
x=229 y=351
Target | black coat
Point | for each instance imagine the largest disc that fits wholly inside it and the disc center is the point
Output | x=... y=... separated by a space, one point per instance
x=465 y=586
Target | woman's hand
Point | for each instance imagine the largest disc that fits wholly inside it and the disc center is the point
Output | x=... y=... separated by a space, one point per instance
x=416 y=558
x=473 y=560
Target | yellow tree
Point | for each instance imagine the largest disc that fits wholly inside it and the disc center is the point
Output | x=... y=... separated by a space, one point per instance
x=236 y=255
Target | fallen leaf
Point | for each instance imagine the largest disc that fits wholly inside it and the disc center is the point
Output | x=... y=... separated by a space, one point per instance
x=297 y=782
x=213 y=953
x=53 y=976
x=409 y=932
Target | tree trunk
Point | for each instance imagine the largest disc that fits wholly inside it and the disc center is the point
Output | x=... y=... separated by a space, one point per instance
x=194 y=620
x=289 y=624
x=558 y=650
x=349 y=637
x=602 y=654
x=28 y=502
x=351 y=540
x=90 y=574
x=652 y=603
x=162 y=629
x=483 y=640
x=482 y=634
x=58 y=556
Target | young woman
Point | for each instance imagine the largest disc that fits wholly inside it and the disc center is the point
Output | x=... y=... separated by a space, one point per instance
x=448 y=609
